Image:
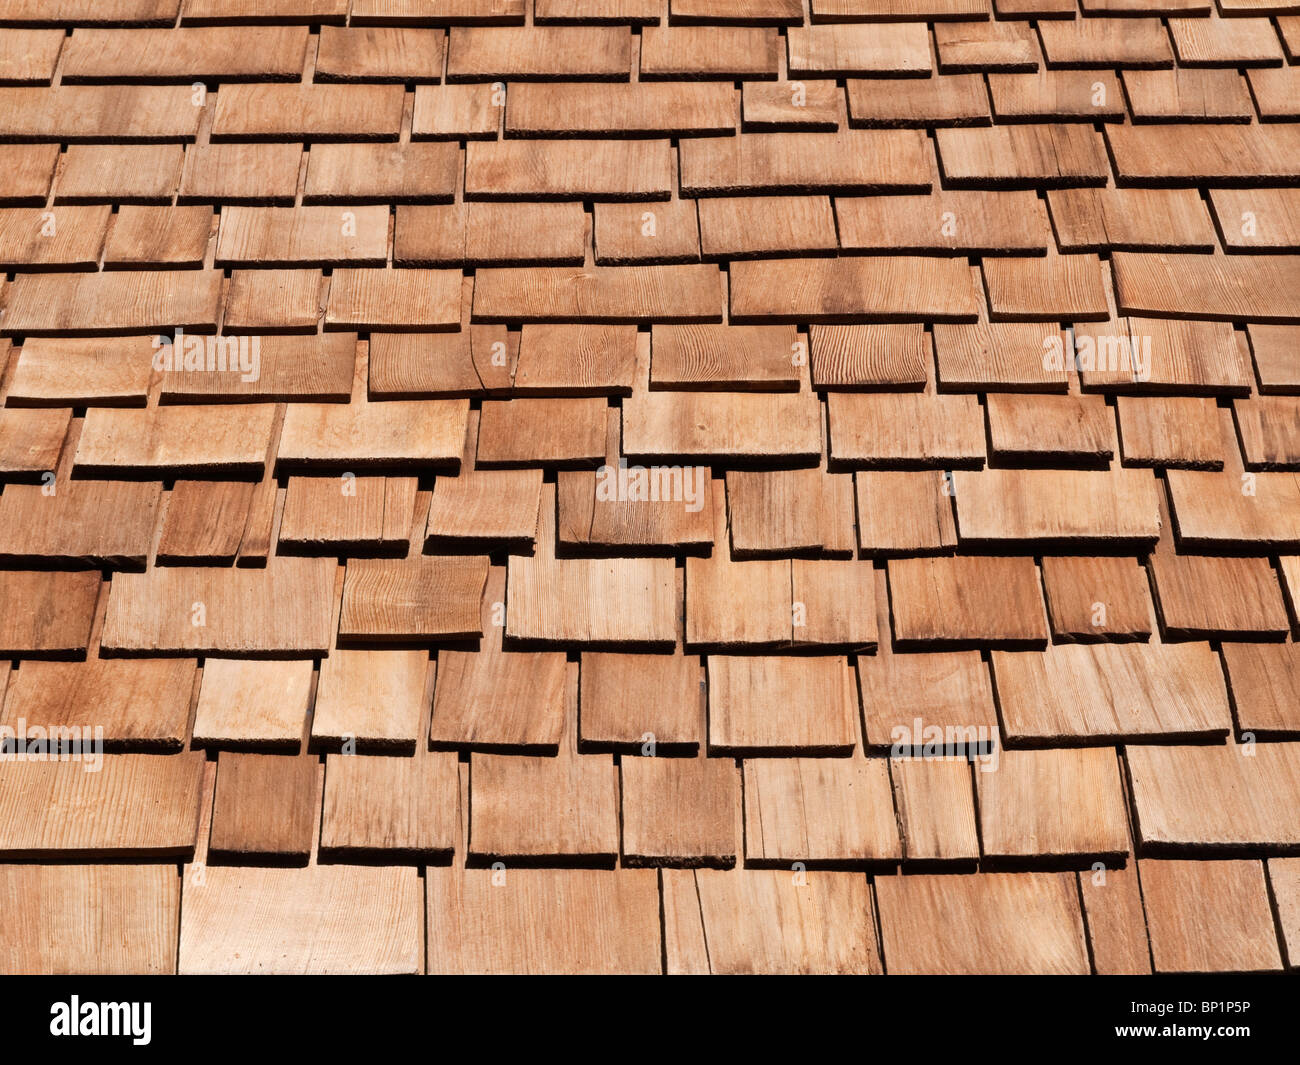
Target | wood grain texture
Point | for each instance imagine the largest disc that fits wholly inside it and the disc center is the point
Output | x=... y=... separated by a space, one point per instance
x=1190 y=154
x=545 y=810
x=1062 y=155
x=490 y=234
x=388 y=436
x=820 y=811
x=790 y=512
x=905 y=430
x=722 y=426
x=81 y=919
x=968 y=222
x=205 y=521
x=1065 y=430
x=135 y=805
x=1178 y=432
x=374 y=698
x=393 y=809
x=936 y=810
x=680 y=811
x=519 y=53
x=630 y=700
x=185 y=54
x=413 y=600
x=490 y=699
x=1104 y=597
x=249 y=703
x=761 y=921
x=1001 y=923
x=555 y=921
x=628 y=234
x=568 y=169
x=321 y=919
x=868 y=357
x=141 y=704
x=940 y=602
x=1052 y=288
x=595 y=603
x=1108 y=692
x=1215 y=798
x=1126 y=219
x=284 y=610
x=847 y=161
x=396 y=299
x=633 y=109
x=1053 y=803
x=416 y=172
x=113 y=302
x=1183 y=898
x=1254 y=287
x=373 y=515
x=1265 y=683
x=694 y=52
x=915 y=103
x=308 y=112
x=59 y=608
x=265 y=809
x=769 y=705
x=1057 y=506
x=91 y=372
x=682 y=293
x=1117 y=930
x=206 y=439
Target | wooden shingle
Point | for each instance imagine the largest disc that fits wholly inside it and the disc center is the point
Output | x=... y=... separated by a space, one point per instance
x=1183 y=898
x=104 y=919
x=141 y=805
x=1112 y=692
x=253 y=704
x=265 y=808
x=299 y=921
x=680 y=811
x=201 y=610
x=1001 y=922
x=1053 y=803
x=556 y=921
x=308 y=112
x=966 y=600
x=827 y=811
x=1197 y=799
x=791 y=706
x=848 y=161
x=393 y=809
x=562 y=109
x=415 y=600
x=371 y=700
x=760 y=921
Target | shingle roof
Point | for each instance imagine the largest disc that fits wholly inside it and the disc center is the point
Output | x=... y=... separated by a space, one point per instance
x=650 y=486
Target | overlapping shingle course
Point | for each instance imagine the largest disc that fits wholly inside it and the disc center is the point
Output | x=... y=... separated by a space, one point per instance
x=649 y=486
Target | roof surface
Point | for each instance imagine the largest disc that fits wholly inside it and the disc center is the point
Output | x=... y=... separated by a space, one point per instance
x=650 y=485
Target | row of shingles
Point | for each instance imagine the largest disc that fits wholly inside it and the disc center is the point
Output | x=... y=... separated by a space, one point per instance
x=218 y=933
x=503 y=770
x=134 y=696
